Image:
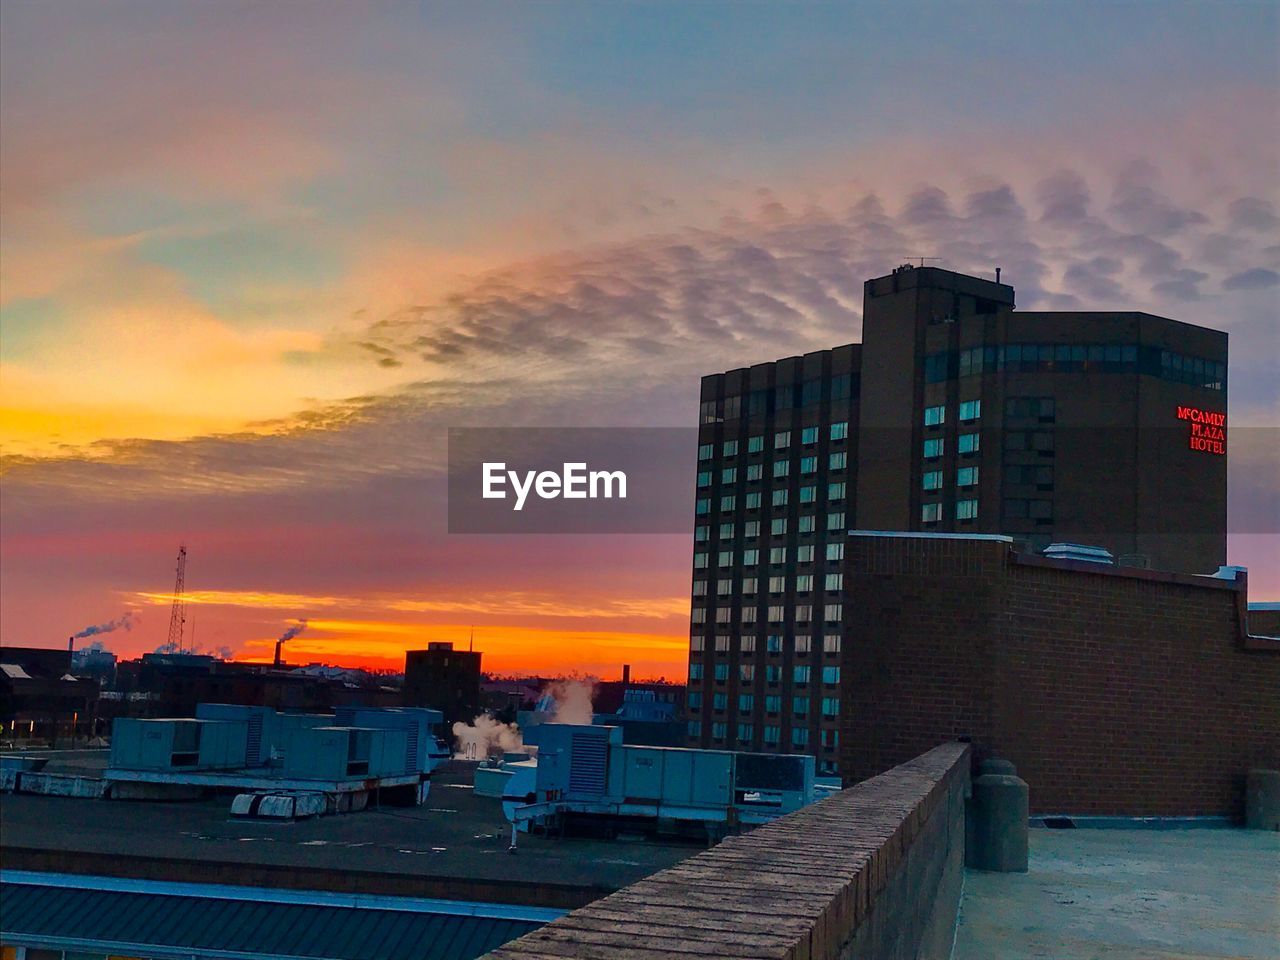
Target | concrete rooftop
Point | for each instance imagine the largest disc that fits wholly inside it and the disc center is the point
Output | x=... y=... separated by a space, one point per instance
x=1129 y=894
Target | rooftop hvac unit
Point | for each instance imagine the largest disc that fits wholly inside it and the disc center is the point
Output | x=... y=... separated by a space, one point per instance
x=1078 y=551
x=263 y=727
x=421 y=725
x=573 y=759
x=181 y=744
x=343 y=753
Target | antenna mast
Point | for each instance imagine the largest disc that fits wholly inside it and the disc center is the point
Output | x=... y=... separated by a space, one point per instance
x=178 y=617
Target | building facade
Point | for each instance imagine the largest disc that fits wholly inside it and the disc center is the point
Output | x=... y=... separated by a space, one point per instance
x=956 y=413
x=444 y=679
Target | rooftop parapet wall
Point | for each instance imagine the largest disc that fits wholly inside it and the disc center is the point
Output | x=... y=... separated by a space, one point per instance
x=872 y=871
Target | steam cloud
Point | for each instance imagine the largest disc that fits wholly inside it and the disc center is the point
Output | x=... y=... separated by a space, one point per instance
x=485 y=737
x=573 y=701
x=124 y=622
x=296 y=629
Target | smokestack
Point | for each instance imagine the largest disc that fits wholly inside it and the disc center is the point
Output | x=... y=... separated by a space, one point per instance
x=71 y=644
x=626 y=675
x=997 y=274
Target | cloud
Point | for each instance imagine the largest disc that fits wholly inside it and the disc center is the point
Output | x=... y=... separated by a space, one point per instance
x=1259 y=278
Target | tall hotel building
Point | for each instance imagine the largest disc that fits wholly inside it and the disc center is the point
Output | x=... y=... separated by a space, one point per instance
x=957 y=413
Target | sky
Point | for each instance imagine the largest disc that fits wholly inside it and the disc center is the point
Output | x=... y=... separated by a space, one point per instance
x=256 y=259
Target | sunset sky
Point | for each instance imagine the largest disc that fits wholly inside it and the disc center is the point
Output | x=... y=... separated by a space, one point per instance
x=256 y=258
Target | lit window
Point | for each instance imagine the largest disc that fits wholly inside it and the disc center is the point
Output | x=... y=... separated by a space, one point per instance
x=834 y=581
x=777 y=584
x=703 y=506
x=803 y=643
x=804 y=553
x=750 y=557
x=808 y=464
x=754 y=471
x=932 y=480
x=706 y=451
x=726 y=531
x=729 y=475
x=697 y=643
x=704 y=478
x=806 y=523
x=833 y=613
x=968 y=442
x=835 y=521
x=809 y=493
x=835 y=551
x=724 y=614
x=730 y=448
x=702 y=533
x=751 y=529
x=802 y=613
x=831 y=643
x=782 y=440
x=777 y=614
x=724 y=588
x=724 y=558
x=804 y=583
x=933 y=416
x=700 y=560
x=780 y=498
x=840 y=431
x=970 y=410
x=831 y=706
x=699 y=588
x=967 y=477
x=773 y=643
x=831 y=675
x=781 y=468
x=809 y=435
x=722 y=643
x=837 y=461
x=777 y=554
x=755 y=444
x=753 y=501
x=835 y=491
x=930 y=512
x=749 y=613
x=778 y=526
x=747 y=671
x=727 y=504
x=966 y=509
x=933 y=448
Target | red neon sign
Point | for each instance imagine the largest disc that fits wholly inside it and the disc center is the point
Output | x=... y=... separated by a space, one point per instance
x=1208 y=430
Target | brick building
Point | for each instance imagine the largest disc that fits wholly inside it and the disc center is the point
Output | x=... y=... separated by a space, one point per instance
x=443 y=679
x=955 y=413
x=1113 y=690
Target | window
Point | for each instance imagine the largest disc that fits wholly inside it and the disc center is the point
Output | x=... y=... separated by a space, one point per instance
x=809 y=493
x=701 y=533
x=809 y=435
x=773 y=704
x=837 y=461
x=777 y=614
x=720 y=701
x=830 y=739
x=806 y=523
x=726 y=531
x=800 y=736
x=771 y=735
x=803 y=643
x=724 y=588
x=800 y=673
x=706 y=451
x=724 y=558
x=697 y=643
x=751 y=557
x=935 y=416
x=748 y=613
x=831 y=643
x=781 y=468
x=804 y=553
x=777 y=554
x=937 y=367
x=835 y=491
x=968 y=442
x=722 y=671
x=730 y=448
x=831 y=706
x=966 y=509
x=695 y=728
x=778 y=526
x=840 y=431
x=753 y=501
x=970 y=410
x=782 y=440
x=703 y=506
x=777 y=584
x=831 y=675
x=755 y=444
x=808 y=465
x=773 y=643
x=930 y=512
x=728 y=504
x=780 y=498
x=718 y=731
x=732 y=409
x=833 y=613
x=835 y=551
x=700 y=560
x=754 y=471
x=747 y=672
x=800 y=706
x=724 y=615
x=841 y=386
x=751 y=529
x=695 y=672
x=967 y=477
x=772 y=673
x=803 y=611
x=699 y=588
x=932 y=480
x=933 y=448
x=804 y=583
x=834 y=581
x=746 y=702
x=707 y=412
x=704 y=478
x=722 y=643
x=835 y=521
x=744 y=733
x=729 y=475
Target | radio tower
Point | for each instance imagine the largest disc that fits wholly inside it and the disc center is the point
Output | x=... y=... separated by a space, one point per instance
x=179 y=615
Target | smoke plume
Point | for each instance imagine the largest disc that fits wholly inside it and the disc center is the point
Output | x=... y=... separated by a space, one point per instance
x=124 y=622
x=485 y=737
x=573 y=701
x=296 y=629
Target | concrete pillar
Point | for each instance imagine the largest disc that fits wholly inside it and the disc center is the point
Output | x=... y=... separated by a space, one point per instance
x=996 y=838
x=1262 y=800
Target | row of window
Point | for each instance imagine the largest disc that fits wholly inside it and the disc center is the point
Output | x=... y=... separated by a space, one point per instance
x=781 y=468
x=771 y=734
x=965 y=477
x=966 y=443
x=1018 y=508
x=936 y=416
x=787 y=396
x=807 y=523
x=801 y=673
x=1072 y=358
x=775 y=643
x=751 y=556
x=781 y=441
x=746 y=702
x=965 y=510
x=803 y=613
x=780 y=498
x=749 y=586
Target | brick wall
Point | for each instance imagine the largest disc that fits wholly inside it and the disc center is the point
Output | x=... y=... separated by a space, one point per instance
x=873 y=871
x=1114 y=691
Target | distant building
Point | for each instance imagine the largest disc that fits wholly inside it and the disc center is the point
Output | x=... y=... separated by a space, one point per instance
x=444 y=679
x=958 y=413
x=40 y=699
